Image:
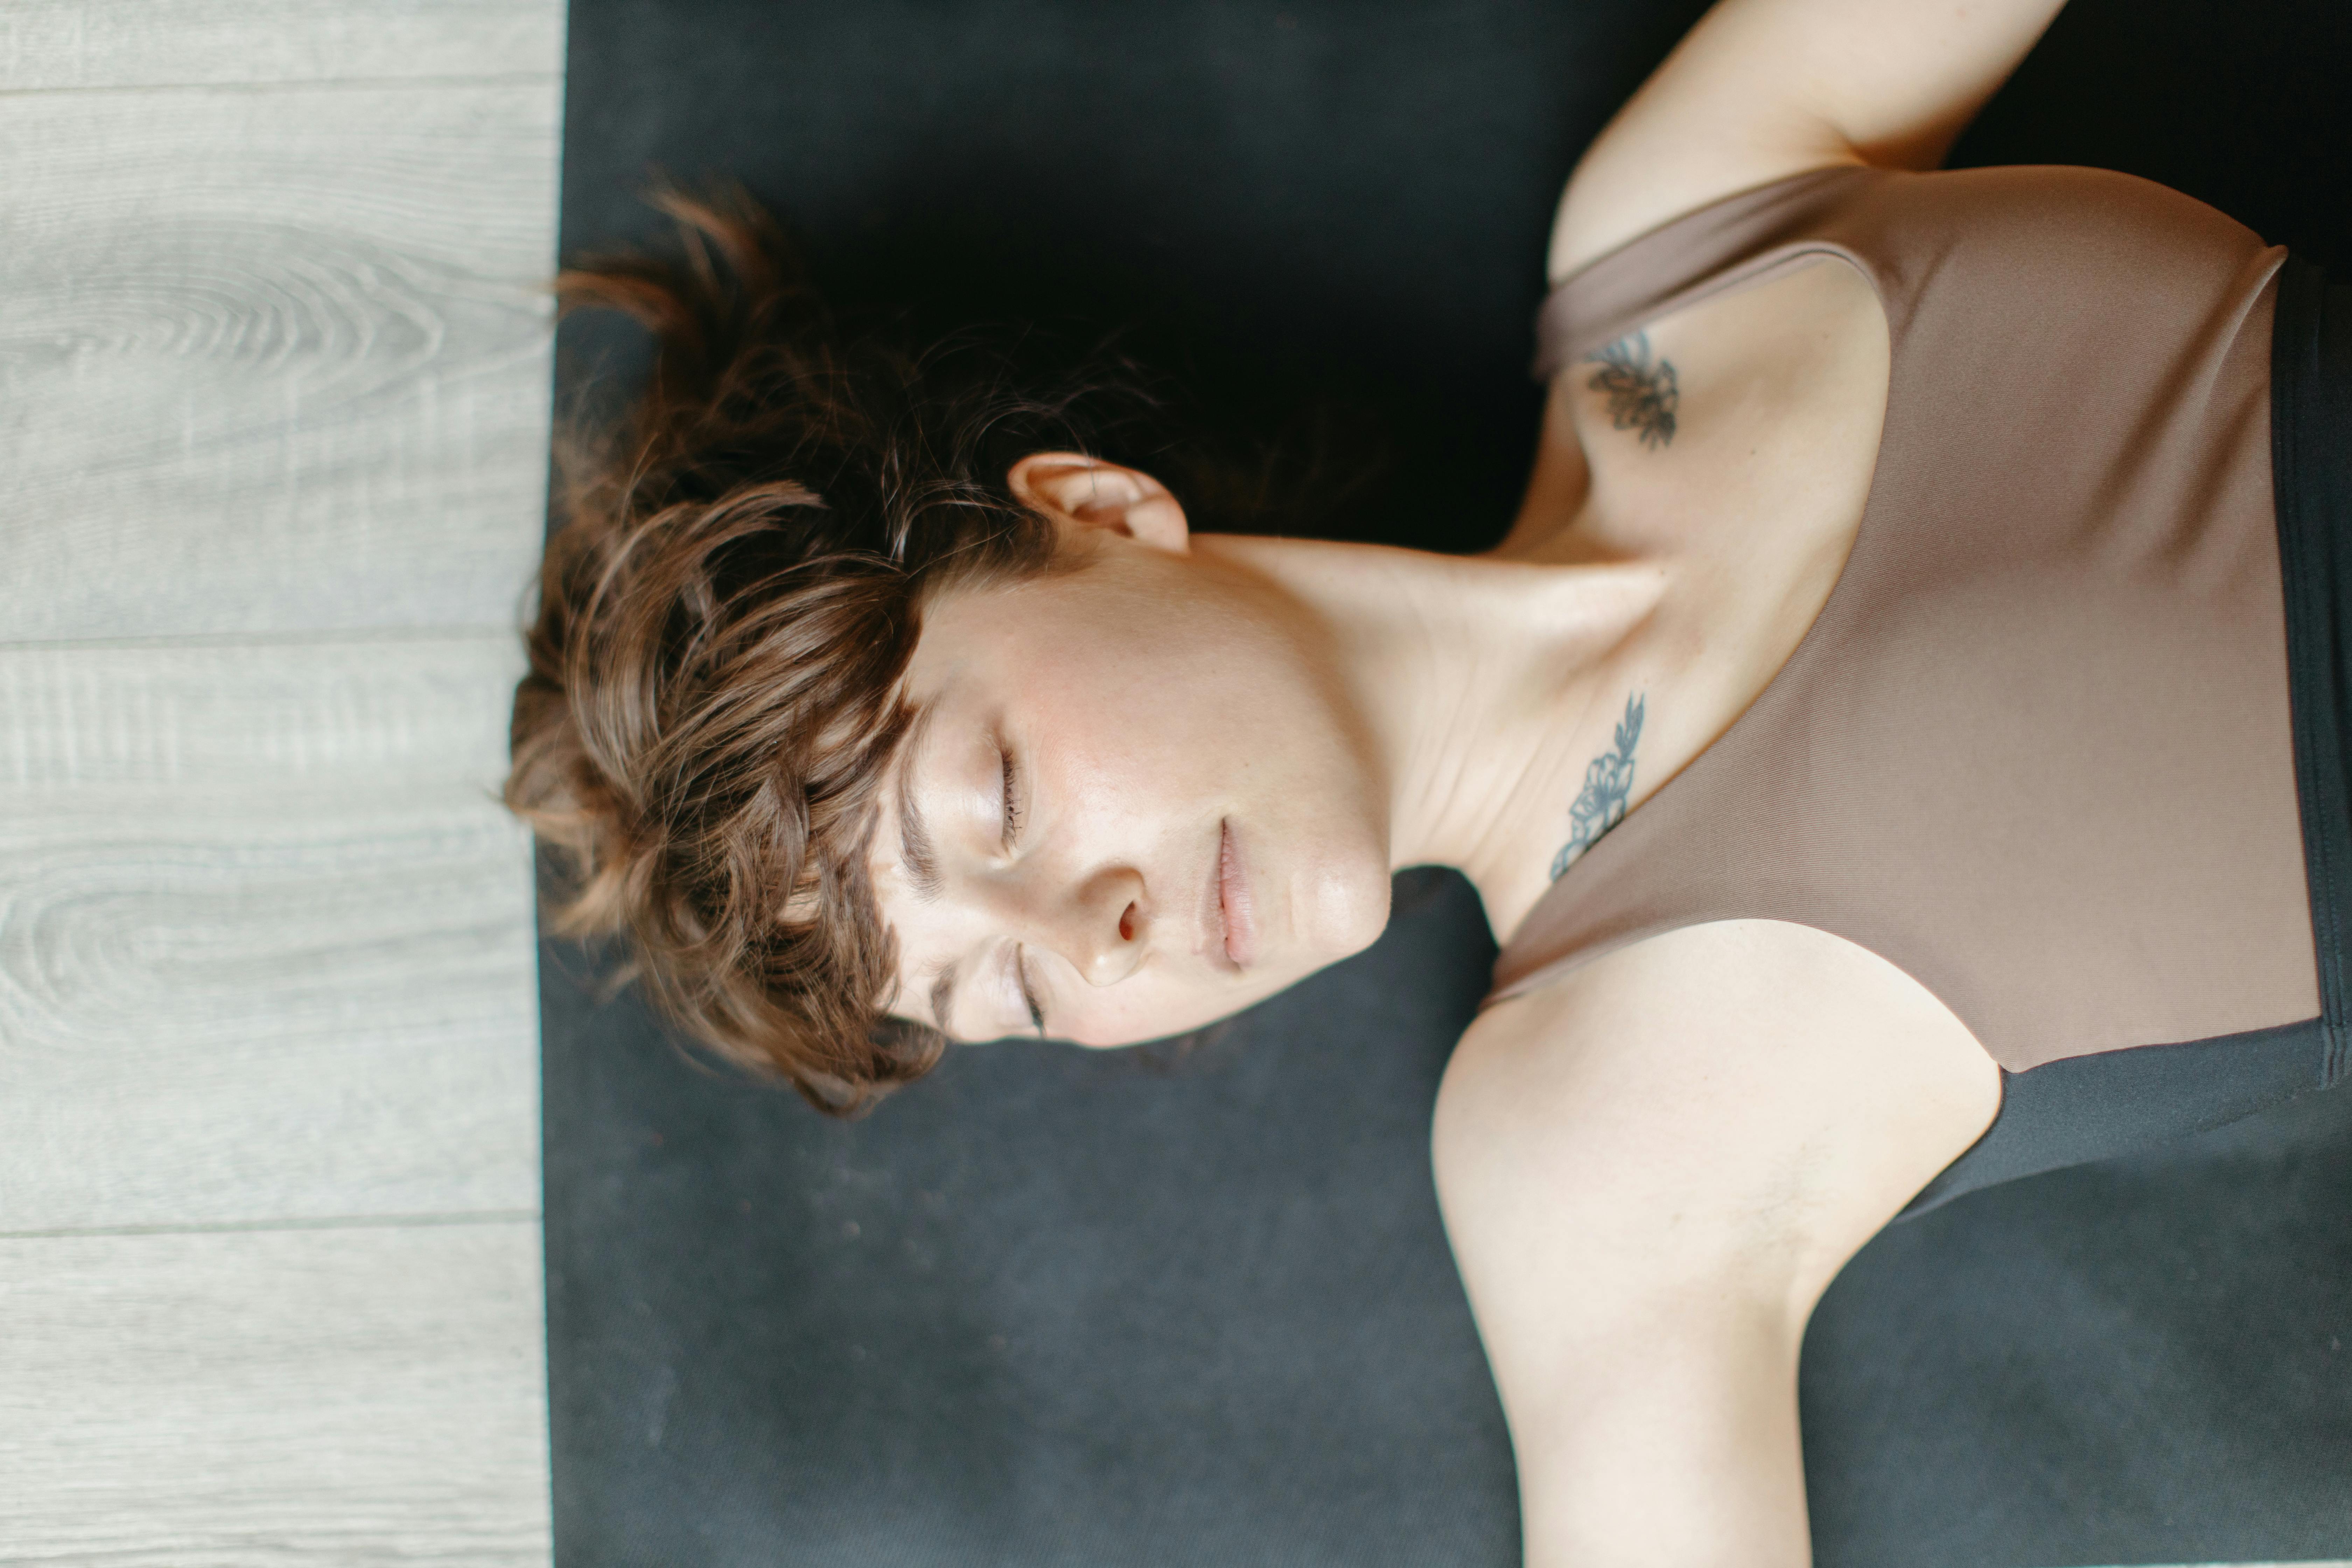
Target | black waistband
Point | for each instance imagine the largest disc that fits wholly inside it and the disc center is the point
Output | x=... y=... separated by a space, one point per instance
x=2311 y=466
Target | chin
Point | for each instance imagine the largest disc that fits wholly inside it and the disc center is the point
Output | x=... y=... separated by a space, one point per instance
x=1347 y=910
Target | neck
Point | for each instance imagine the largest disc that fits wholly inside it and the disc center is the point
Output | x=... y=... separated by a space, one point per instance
x=1476 y=681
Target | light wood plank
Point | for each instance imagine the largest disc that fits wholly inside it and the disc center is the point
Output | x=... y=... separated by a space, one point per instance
x=56 y=44
x=266 y=940
x=346 y=1398
x=273 y=362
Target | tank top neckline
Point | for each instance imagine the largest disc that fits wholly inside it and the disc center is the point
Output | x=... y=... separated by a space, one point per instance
x=1752 y=272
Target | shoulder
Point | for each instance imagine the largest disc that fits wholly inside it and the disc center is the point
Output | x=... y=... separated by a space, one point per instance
x=1649 y=1173
x=1764 y=1084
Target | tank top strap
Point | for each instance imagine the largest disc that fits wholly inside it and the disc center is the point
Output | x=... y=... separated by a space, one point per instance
x=1707 y=250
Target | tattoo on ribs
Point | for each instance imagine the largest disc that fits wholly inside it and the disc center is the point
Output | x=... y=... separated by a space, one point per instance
x=1608 y=781
x=1642 y=395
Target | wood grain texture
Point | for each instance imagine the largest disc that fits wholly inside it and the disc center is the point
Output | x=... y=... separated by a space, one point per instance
x=46 y=45
x=273 y=360
x=266 y=940
x=346 y=1398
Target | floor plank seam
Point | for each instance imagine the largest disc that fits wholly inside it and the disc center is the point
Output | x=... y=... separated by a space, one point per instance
x=299 y=84
x=355 y=636
x=324 y=1222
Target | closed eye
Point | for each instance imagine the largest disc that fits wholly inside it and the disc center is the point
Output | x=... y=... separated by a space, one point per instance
x=1010 y=773
x=1028 y=993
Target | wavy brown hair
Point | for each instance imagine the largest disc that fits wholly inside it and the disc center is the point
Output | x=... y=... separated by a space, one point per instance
x=724 y=616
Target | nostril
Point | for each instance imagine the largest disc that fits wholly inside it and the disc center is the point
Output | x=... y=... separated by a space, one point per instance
x=1127 y=923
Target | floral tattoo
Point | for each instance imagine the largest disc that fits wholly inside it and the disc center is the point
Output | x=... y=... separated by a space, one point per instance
x=1608 y=781
x=1641 y=394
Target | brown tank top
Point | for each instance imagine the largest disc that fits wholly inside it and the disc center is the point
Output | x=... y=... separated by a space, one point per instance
x=2036 y=749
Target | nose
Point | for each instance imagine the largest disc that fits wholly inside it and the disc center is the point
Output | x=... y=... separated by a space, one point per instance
x=1101 y=927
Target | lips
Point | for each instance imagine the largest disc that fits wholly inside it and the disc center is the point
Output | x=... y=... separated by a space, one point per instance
x=1234 y=911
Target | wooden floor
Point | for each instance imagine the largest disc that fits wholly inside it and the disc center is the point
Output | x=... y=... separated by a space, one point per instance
x=273 y=429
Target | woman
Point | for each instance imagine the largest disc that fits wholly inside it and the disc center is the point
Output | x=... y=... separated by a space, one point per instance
x=1897 y=673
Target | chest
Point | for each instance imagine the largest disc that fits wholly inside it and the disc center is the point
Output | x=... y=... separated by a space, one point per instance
x=1733 y=443
x=1736 y=438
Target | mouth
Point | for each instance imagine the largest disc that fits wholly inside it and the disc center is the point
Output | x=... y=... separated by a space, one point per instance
x=1235 y=914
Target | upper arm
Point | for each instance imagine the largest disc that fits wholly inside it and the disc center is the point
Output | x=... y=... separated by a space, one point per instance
x=1649 y=1172
x=1760 y=90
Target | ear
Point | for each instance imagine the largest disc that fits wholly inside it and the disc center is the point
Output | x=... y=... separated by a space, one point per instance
x=1082 y=492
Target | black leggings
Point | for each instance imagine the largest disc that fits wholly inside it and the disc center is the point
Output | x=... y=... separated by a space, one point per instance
x=2089 y=1108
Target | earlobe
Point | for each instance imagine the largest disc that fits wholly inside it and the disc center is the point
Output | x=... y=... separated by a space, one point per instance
x=1083 y=492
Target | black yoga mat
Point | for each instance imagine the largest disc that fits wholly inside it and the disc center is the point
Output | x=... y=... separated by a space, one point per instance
x=1194 y=1307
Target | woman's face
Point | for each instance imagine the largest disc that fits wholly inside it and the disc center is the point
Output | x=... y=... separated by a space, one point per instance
x=1135 y=801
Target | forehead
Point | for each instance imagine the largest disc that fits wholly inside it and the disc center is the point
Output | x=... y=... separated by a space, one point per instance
x=904 y=885
x=1017 y=625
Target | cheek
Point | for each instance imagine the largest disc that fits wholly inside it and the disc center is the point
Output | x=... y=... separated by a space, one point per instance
x=1139 y=1011
x=1143 y=765
x=1127 y=731
x=1214 y=700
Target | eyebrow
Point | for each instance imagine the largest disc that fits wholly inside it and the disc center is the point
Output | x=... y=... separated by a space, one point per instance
x=920 y=859
x=916 y=851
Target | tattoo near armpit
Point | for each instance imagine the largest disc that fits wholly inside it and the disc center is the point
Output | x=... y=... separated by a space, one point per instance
x=1641 y=394
x=1608 y=780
